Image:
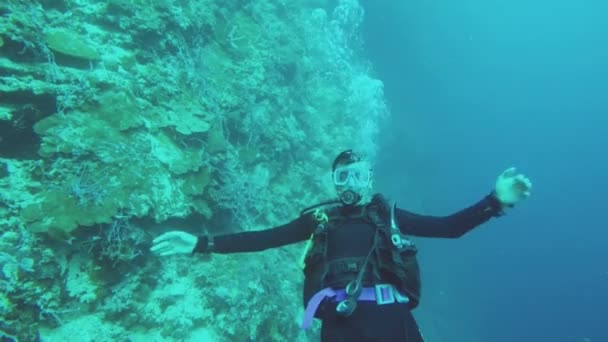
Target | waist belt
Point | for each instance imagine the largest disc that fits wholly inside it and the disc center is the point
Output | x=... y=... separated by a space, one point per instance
x=382 y=294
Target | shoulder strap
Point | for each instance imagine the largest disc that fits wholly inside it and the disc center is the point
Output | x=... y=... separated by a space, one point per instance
x=381 y=205
x=377 y=210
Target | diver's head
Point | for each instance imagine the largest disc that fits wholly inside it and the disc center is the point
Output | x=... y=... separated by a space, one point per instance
x=352 y=177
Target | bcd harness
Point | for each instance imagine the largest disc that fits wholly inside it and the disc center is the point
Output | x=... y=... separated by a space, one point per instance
x=391 y=258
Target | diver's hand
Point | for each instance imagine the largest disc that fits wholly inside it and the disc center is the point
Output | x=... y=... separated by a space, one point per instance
x=174 y=242
x=512 y=187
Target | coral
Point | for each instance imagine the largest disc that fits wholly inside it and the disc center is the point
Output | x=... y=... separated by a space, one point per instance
x=88 y=328
x=78 y=282
x=28 y=292
x=71 y=44
x=122 y=119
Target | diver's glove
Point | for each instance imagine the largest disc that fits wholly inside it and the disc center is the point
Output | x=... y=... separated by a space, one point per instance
x=174 y=242
x=512 y=187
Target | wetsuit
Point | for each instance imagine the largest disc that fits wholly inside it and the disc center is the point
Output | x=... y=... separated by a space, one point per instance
x=369 y=322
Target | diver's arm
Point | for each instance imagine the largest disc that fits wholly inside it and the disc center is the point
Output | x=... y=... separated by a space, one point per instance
x=253 y=241
x=451 y=226
x=511 y=187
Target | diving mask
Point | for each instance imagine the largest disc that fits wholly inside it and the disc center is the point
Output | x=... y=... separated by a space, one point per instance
x=353 y=182
x=353 y=175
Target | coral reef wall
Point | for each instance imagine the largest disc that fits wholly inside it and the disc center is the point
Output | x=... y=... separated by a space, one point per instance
x=122 y=119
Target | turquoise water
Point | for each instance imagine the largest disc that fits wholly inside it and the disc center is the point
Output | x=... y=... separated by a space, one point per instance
x=479 y=86
x=122 y=120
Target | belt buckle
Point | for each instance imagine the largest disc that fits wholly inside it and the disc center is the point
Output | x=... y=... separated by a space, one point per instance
x=381 y=298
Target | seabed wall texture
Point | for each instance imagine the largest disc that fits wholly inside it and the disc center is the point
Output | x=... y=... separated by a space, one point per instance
x=123 y=119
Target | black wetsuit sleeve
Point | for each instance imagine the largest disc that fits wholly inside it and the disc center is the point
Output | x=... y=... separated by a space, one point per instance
x=451 y=226
x=253 y=241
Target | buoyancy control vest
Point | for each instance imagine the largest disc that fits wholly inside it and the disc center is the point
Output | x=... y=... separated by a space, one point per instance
x=393 y=256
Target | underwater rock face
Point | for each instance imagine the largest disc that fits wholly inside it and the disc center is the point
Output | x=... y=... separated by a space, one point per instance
x=120 y=120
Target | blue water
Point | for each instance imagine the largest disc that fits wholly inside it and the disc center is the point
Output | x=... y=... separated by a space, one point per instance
x=478 y=86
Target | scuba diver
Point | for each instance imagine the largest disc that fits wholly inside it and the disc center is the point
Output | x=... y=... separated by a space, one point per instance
x=361 y=274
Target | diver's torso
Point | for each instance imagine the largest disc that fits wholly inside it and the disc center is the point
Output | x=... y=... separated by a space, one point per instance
x=350 y=238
